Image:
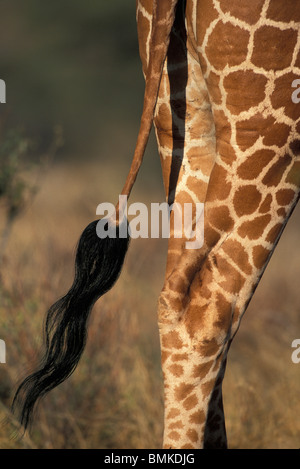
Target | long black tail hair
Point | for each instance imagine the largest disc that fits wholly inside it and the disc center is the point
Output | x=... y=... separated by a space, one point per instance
x=98 y=264
x=98 y=260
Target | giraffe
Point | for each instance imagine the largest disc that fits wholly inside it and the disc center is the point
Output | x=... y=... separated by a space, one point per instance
x=219 y=77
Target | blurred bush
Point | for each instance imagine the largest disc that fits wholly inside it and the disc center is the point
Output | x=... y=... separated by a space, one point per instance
x=71 y=63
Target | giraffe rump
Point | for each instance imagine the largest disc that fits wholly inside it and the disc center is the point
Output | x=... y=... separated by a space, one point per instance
x=98 y=264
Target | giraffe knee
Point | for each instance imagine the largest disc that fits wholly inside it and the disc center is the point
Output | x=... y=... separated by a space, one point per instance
x=210 y=316
x=172 y=299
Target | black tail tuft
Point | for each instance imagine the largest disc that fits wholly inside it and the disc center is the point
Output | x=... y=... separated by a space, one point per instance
x=97 y=267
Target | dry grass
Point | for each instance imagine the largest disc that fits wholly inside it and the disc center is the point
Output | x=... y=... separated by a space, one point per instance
x=114 y=398
x=263 y=384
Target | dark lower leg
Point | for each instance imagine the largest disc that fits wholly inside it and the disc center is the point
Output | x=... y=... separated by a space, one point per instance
x=215 y=431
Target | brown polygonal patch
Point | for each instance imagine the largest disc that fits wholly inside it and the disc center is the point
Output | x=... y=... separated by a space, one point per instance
x=260 y=256
x=248 y=12
x=285 y=196
x=194 y=318
x=246 y=200
x=201 y=370
x=192 y=435
x=238 y=254
x=176 y=370
x=227 y=45
x=265 y=206
x=226 y=151
x=286 y=12
x=282 y=96
x=224 y=310
x=276 y=134
x=220 y=218
x=207 y=387
x=249 y=130
x=211 y=236
x=197 y=417
x=172 y=340
x=273 y=233
x=179 y=356
x=275 y=173
x=208 y=348
x=244 y=89
x=254 y=164
x=281 y=212
x=205 y=14
x=190 y=402
x=273 y=48
x=176 y=425
x=255 y=228
x=173 y=413
x=174 y=435
x=182 y=390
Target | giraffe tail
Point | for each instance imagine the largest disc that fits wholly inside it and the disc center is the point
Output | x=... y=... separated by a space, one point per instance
x=99 y=260
x=98 y=264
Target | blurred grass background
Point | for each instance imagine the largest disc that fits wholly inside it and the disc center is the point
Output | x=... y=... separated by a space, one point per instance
x=72 y=69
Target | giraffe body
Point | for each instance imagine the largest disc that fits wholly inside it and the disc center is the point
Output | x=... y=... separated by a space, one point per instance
x=220 y=76
x=228 y=136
